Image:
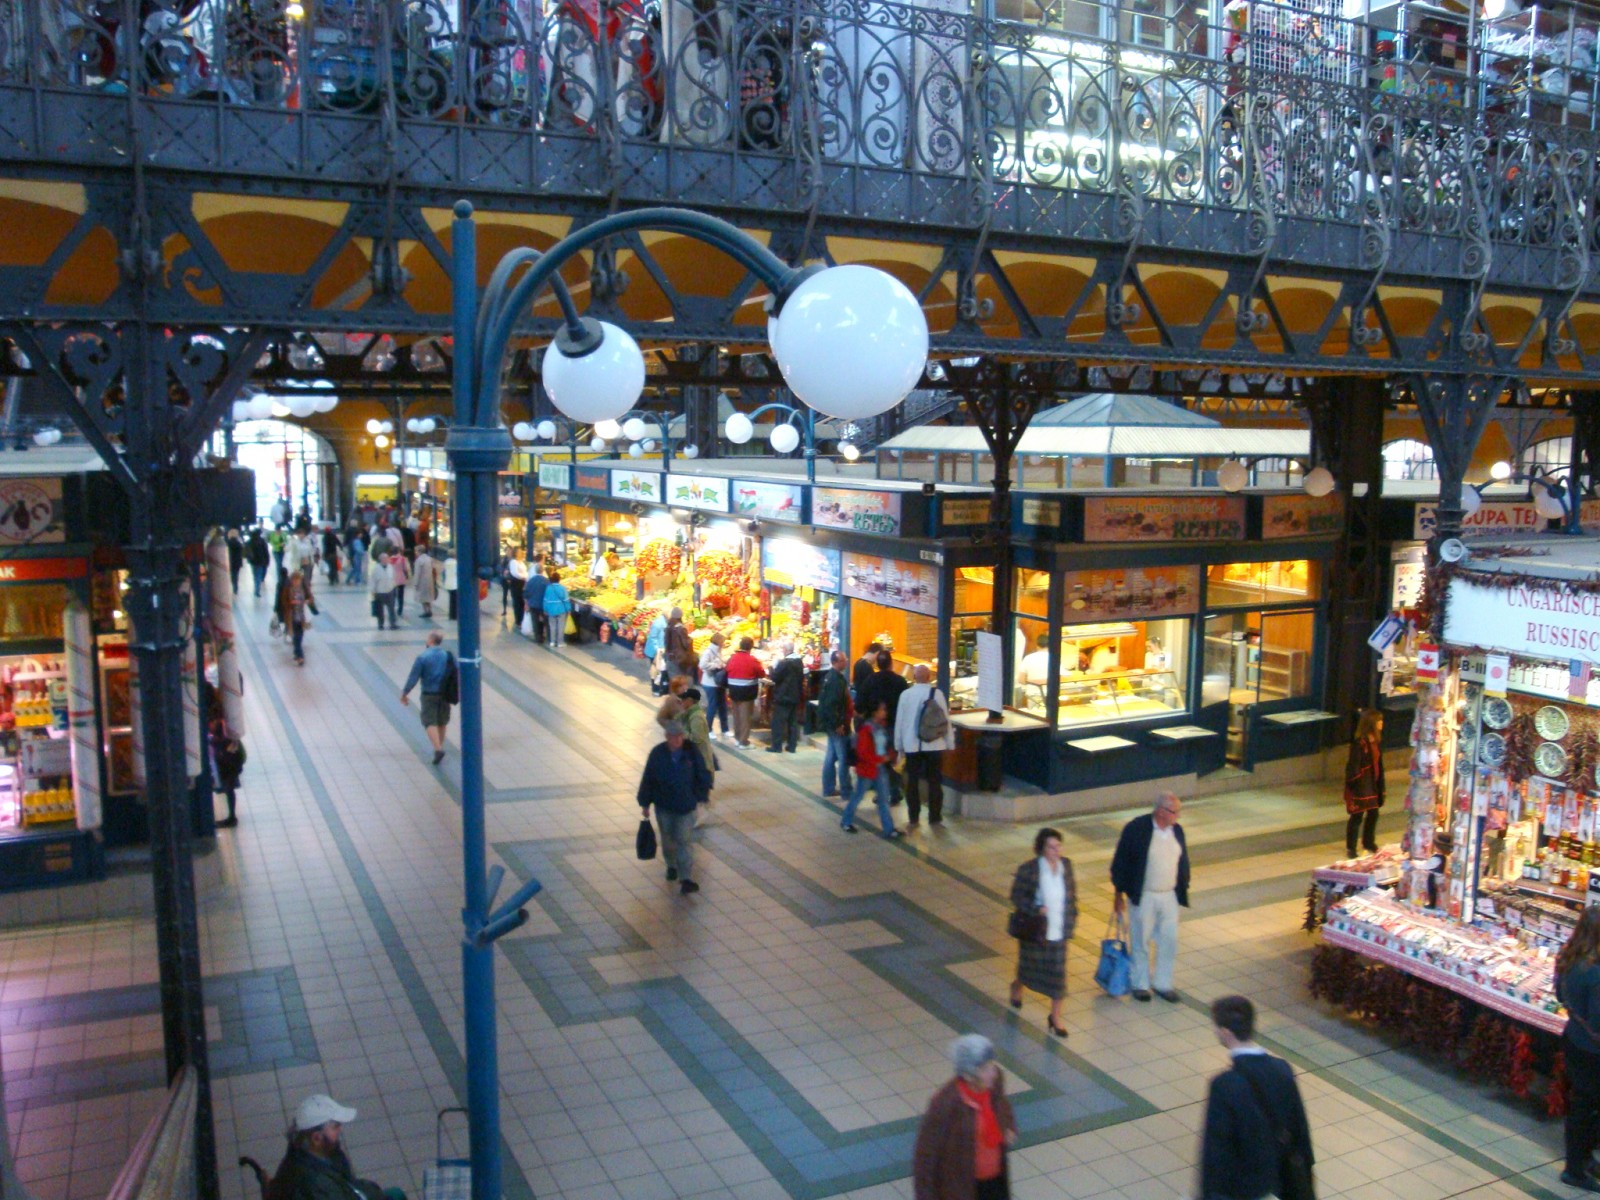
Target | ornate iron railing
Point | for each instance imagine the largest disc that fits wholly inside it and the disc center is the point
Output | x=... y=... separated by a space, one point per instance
x=1295 y=133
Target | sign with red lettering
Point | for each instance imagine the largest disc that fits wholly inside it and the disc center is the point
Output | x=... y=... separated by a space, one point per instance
x=1538 y=619
x=27 y=570
x=30 y=512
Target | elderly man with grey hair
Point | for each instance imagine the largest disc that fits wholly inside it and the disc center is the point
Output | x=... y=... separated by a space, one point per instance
x=1150 y=872
x=961 y=1143
x=788 y=694
x=676 y=781
x=922 y=734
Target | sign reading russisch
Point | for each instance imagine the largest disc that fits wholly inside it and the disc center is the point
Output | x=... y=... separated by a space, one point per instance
x=1538 y=620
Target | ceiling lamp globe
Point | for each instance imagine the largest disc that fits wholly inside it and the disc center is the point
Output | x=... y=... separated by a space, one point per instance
x=691 y=451
x=784 y=438
x=1547 y=502
x=598 y=445
x=635 y=451
x=261 y=407
x=1471 y=500
x=597 y=386
x=633 y=429
x=739 y=429
x=607 y=429
x=851 y=341
x=848 y=451
x=374 y=426
x=1319 y=481
x=546 y=429
x=326 y=402
x=1232 y=475
x=522 y=431
x=1500 y=470
x=241 y=410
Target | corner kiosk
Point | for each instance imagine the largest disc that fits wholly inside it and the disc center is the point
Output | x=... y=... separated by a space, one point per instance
x=1506 y=761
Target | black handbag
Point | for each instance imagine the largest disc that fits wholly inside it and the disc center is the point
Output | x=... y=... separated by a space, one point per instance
x=1027 y=926
x=1295 y=1181
x=645 y=843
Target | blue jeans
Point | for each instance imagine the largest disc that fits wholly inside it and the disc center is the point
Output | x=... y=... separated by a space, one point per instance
x=836 y=765
x=880 y=796
x=260 y=574
x=716 y=706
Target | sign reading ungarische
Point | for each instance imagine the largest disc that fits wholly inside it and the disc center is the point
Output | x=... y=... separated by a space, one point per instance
x=1537 y=618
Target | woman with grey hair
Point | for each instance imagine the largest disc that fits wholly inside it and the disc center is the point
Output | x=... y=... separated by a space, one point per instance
x=961 y=1143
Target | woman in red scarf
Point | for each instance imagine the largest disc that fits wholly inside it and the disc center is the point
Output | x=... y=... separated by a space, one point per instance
x=961 y=1143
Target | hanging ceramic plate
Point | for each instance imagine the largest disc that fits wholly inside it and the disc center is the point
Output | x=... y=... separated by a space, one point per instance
x=1550 y=760
x=1497 y=714
x=1464 y=764
x=1551 y=723
x=1492 y=750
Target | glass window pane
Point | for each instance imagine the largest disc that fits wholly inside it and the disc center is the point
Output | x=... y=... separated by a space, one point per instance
x=1030 y=637
x=1120 y=670
x=1031 y=591
x=974 y=590
x=1229 y=584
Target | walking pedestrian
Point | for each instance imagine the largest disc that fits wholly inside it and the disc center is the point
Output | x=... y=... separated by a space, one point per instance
x=227 y=764
x=788 y=692
x=533 y=600
x=873 y=756
x=518 y=571
x=557 y=609
x=235 y=558
x=714 y=684
x=884 y=686
x=355 y=552
x=330 y=553
x=435 y=670
x=450 y=575
x=922 y=735
x=258 y=556
x=1150 y=873
x=1578 y=987
x=402 y=575
x=297 y=612
x=961 y=1143
x=380 y=586
x=1043 y=887
x=834 y=710
x=654 y=648
x=1256 y=1141
x=672 y=704
x=425 y=581
x=745 y=673
x=681 y=658
x=675 y=782
x=1363 y=783
x=692 y=716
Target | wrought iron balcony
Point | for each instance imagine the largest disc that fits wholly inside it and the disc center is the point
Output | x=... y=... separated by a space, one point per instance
x=1286 y=137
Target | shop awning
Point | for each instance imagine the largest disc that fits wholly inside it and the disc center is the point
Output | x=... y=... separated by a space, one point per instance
x=66 y=459
x=1115 y=441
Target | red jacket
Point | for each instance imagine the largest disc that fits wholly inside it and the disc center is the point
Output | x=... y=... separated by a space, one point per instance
x=867 y=757
x=744 y=667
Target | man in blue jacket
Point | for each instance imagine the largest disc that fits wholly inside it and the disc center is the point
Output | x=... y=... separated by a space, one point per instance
x=677 y=782
x=1150 y=872
x=1255 y=1119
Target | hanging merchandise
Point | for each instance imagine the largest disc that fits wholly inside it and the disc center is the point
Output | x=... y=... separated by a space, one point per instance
x=78 y=635
x=224 y=641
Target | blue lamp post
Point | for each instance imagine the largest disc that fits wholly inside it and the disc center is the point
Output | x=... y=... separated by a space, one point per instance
x=833 y=355
x=799 y=425
x=636 y=426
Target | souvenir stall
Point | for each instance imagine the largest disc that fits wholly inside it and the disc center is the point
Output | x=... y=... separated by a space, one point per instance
x=1502 y=849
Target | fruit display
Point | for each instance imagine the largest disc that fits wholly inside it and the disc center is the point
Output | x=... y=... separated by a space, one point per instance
x=722 y=579
x=659 y=557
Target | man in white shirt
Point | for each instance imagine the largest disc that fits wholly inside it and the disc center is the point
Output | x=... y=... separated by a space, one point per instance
x=1150 y=872
x=923 y=710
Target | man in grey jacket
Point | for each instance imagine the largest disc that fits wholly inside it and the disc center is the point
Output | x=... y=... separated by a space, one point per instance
x=923 y=705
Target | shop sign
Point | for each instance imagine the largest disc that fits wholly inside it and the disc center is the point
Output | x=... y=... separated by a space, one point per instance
x=864 y=512
x=1494 y=518
x=1530 y=619
x=964 y=511
x=555 y=477
x=636 y=485
x=1046 y=513
x=693 y=491
x=1163 y=518
x=20 y=570
x=788 y=562
x=1302 y=516
x=1410 y=568
x=890 y=582
x=30 y=512
x=768 y=501
x=1130 y=593
x=511 y=492
x=591 y=479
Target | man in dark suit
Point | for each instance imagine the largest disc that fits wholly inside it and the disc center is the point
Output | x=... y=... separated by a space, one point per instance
x=1150 y=873
x=1255 y=1118
x=862 y=671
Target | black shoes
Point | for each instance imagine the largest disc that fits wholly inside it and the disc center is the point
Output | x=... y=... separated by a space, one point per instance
x=1059 y=1030
x=1169 y=996
x=672 y=874
x=688 y=886
x=1584 y=1183
x=227 y=822
x=438 y=757
x=1141 y=995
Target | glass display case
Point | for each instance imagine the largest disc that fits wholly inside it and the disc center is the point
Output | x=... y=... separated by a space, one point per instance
x=1087 y=699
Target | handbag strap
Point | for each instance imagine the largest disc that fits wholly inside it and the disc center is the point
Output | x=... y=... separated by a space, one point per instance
x=1116 y=923
x=1278 y=1131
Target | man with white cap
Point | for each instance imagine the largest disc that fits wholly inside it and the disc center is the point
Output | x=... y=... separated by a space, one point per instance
x=315 y=1167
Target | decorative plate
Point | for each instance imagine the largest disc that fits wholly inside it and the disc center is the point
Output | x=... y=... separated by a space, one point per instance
x=1466 y=738
x=1497 y=713
x=1552 y=723
x=1464 y=764
x=1550 y=760
x=1492 y=750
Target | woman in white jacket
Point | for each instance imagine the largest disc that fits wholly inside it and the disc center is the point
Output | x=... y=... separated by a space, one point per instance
x=448 y=573
x=714 y=683
x=380 y=586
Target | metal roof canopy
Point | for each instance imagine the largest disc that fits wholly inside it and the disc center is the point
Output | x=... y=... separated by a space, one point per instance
x=1105 y=425
x=1550 y=556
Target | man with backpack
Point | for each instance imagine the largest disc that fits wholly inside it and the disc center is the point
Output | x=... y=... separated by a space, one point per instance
x=922 y=734
x=435 y=669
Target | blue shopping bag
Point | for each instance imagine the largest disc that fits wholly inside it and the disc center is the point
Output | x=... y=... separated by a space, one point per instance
x=1116 y=965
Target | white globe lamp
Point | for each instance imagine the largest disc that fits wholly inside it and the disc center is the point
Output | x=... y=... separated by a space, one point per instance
x=633 y=429
x=522 y=431
x=1547 y=501
x=598 y=385
x=739 y=429
x=388 y=426
x=241 y=411
x=1471 y=500
x=607 y=429
x=635 y=451
x=598 y=445
x=1319 y=481
x=261 y=407
x=1500 y=470
x=784 y=438
x=326 y=402
x=1232 y=475
x=848 y=451
x=546 y=429
x=374 y=426
x=690 y=451
x=851 y=341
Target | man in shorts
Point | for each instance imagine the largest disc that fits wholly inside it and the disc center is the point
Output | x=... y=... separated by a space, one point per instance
x=435 y=670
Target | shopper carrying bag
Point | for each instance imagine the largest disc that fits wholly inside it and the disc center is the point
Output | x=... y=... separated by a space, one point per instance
x=1116 y=965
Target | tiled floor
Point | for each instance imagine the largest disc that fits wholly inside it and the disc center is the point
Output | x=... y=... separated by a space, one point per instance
x=776 y=1035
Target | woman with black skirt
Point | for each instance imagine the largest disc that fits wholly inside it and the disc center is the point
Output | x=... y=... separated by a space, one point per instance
x=1043 y=889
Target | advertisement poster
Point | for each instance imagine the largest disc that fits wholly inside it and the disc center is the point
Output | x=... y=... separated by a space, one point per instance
x=30 y=512
x=511 y=492
x=636 y=485
x=863 y=512
x=1163 y=519
x=592 y=479
x=913 y=586
x=1410 y=568
x=789 y=562
x=1302 y=516
x=768 y=501
x=1494 y=518
x=692 y=491
x=555 y=477
x=1130 y=593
